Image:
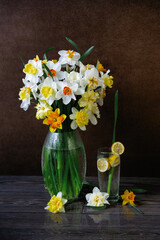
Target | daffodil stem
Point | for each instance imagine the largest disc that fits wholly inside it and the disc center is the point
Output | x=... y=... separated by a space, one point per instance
x=136 y=208
x=113 y=140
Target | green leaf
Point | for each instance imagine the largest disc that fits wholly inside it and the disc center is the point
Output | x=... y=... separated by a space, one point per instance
x=135 y=190
x=86 y=53
x=44 y=65
x=115 y=115
x=98 y=208
x=73 y=43
x=22 y=60
x=45 y=56
x=97 y=64
x=44 y=73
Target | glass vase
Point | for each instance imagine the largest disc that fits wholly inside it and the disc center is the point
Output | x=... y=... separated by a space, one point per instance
x=109 y=180
x=64 y=163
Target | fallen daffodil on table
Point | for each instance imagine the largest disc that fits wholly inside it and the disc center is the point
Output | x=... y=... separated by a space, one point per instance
x=56 y=204
x=97 y=198
x=128 y=198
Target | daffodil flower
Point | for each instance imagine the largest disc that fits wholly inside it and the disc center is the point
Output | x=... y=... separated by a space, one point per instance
x=69 y=57
x=55 y=69
x=56 y=204
x=33 y=70
x=88 y=98
x=128 y=197
x=48 y=90
x=66 y=91
x=43 y=109
x=108 y=80
x=54 y=120
x=92 y=76
x=80 y=119
x=75 y=77
x=25 y=93
x=97 y=198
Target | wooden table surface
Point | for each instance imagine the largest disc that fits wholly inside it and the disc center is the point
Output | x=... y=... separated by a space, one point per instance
x=22 y=214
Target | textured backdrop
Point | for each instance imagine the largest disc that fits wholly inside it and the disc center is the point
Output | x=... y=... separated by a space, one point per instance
x=126 y=35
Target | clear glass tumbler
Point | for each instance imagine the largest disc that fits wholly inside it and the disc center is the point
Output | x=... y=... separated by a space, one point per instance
x=109 y=180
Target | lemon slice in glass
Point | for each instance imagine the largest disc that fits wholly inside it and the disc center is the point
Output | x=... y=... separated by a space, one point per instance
x=103 y=164
x=114 y=160
x=117 y=147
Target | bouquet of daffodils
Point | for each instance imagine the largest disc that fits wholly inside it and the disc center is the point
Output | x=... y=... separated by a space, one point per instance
x=66 y=93
x=65 y=86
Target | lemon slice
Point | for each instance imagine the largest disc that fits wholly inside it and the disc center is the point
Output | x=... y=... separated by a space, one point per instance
x=103 y=164
x=114 y=160
x=117 y=147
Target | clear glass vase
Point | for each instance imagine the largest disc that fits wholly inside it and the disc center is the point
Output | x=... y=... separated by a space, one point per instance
x=64 y=163
x=109 y=180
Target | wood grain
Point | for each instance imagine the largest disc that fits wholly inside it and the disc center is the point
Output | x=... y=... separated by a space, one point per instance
x=22 y=214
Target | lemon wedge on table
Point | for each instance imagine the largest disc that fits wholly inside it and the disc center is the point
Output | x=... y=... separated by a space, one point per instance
x=117 y=148
x=103 y=164
x=114 y=160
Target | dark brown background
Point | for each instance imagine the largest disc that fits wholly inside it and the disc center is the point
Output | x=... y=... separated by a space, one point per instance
x=126 y=35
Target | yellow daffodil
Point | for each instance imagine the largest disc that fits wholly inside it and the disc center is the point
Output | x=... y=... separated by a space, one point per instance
x=88 y=98
x=128 y=197
x=80 y=119
x=55 y=120
x=108 y=80
x=56 y=204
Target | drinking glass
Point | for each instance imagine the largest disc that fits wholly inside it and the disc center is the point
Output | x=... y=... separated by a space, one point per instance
x=110 y=179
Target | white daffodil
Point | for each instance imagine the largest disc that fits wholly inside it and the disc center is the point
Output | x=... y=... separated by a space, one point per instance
x=80 y=119
x=56 y=204
x=69 y=57
x=55 y=69
x=48 y=90
x=92 y=76
x=33 y=70
x=97 y=198
x=43 y=108
x=75 y=77
x=25 y=93
x=66 y=91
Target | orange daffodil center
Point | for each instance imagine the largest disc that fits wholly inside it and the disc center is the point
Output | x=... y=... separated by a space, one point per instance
x=128 y=197
x=53 y=72
x=55 y=120
x=67 y=91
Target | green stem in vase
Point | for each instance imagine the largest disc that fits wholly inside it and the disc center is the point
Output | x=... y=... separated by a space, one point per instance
x=113 y=140
x=48 y=173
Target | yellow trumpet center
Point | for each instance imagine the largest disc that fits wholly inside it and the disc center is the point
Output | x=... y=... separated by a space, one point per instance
x=29 y=68
x=47 y=91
